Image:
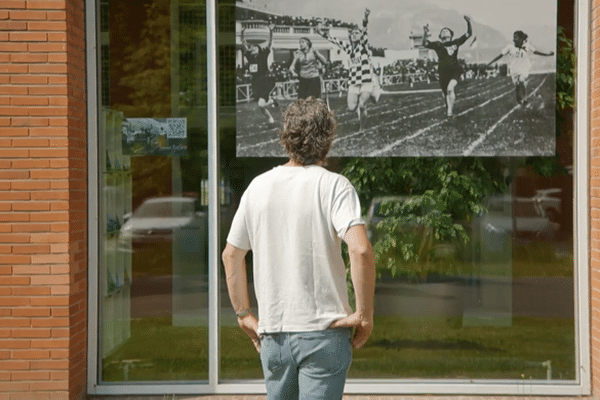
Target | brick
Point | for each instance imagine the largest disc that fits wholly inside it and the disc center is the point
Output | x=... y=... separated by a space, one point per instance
x=31 y=312
x=13 y=111
x=28 y=36
x=29 y=80
x=14 y=195
x=46 y=4
x=48 y=90
x=13 y=365
x=10 y=131
x=12 y=25
x=30 y=163
x=50 y=322
x=29 y=185
x=14 y=322
x=49 y=258
x=31 y=333
x=44 y=111
x=58 y=385
x=13 y=69
x=13 y=47
x=15 y=387
x=13 y=301
x=31 y=227
x=31 y=291
x=15 y=344
x=12 y=4
x=31 y=354
x=50 y=195
x=49 y=343
x=14 y=91
x=47 y=26
x=11 y=174
x=14 y=280
x=29 y=58
x=48 y=68
x=29 y=100
x=27 y=15
x=30 y=249
x=14 y=153
x=49 y=131
x=50 y=364
x=30 y=376
x=30 y=142
x=56 y=15
x=14 y=259
x=49 y=301
x=50 y=174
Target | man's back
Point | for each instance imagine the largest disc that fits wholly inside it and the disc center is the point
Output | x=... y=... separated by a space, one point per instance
x=295 y=217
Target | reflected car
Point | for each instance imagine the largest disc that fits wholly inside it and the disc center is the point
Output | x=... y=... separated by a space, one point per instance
x=156 y=218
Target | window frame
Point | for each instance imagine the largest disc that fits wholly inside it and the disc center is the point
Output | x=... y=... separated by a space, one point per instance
x=580 y=386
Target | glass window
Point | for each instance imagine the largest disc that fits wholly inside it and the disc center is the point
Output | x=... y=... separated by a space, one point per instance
x=474 y=255
x=154 y=201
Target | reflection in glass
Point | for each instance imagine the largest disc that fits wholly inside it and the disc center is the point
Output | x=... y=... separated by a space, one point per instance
x=154 y=229
x=475 y=255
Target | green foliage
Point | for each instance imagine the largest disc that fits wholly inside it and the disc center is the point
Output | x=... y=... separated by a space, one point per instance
x=437 y=194
x=565 y=72
x=565 y=101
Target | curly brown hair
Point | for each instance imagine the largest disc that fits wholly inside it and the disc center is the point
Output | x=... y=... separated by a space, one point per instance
x=308 y=130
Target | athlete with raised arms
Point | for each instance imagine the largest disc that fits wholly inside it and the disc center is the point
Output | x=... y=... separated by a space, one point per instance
x=449 y=68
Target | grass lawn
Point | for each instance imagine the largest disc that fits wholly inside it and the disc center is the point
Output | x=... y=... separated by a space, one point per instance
x=399 y=347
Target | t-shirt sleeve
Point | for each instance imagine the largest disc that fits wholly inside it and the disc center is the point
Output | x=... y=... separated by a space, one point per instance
x=506 y=50
x=238 y=233
x=346 y=209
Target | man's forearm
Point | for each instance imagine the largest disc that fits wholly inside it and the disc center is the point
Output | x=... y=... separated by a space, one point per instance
x=237 y=283
x=362 y=269
x=363 y=279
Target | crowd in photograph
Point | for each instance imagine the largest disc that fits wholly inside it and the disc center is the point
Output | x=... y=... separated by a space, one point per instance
x=399 y=72
x=286 y=20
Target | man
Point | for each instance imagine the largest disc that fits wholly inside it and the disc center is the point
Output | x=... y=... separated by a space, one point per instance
x=294 y=218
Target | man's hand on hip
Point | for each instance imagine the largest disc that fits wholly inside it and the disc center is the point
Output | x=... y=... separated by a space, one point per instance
x=249 y=324
x=362 y=324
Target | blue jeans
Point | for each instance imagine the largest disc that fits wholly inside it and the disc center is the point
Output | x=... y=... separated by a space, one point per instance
x=306 y=365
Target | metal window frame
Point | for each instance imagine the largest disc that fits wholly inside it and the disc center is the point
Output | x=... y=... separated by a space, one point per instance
x=580 y=386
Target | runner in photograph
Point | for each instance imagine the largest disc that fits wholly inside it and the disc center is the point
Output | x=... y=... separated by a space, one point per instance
x=262 y=84
x=449 y=69
x=305 y=66
x=520 y=65
x=362 y=83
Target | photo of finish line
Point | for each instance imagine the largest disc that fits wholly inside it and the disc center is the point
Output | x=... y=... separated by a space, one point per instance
x=405 y=78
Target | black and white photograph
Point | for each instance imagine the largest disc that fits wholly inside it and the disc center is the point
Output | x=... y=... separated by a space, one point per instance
x=154 y=136
x=405 y=78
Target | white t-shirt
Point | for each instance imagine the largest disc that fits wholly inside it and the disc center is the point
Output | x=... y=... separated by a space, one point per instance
x=519 y=63
x=293 y=219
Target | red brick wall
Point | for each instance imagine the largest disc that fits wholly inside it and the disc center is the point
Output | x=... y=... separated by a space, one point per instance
x=43 y=200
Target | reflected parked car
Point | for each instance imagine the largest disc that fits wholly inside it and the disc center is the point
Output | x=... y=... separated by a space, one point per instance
x=156 y=218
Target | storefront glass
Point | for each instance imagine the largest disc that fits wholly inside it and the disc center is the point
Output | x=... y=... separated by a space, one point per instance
x=475 y=254
x=154 y=197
